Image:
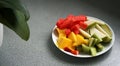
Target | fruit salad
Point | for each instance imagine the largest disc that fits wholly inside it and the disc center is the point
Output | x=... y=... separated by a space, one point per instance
x=80 y=34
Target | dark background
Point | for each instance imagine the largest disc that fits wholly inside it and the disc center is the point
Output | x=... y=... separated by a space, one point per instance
x=40 y=49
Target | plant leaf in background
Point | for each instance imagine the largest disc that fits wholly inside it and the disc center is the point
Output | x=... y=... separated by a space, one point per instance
x=15 y=16
x=15 y=5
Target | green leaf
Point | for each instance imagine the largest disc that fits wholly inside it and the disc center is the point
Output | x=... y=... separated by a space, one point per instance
x=15 y=5
x=15 y=16
x=15 y=20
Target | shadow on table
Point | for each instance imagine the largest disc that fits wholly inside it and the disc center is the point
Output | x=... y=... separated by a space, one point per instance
x=56 y=53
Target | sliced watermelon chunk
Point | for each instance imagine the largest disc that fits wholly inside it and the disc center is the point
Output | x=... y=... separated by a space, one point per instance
x=75 y=52
x=67 y=32
x=60 y=22
x=73 y=23
x=83 y=25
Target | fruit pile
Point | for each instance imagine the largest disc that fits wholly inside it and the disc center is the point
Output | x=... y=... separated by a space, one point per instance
x=78 y=34
x=72 y=23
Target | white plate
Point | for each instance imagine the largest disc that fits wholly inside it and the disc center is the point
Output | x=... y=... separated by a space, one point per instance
x=1 y=33
x=107 y=47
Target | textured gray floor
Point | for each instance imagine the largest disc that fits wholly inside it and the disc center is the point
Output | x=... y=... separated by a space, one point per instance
x=40 y=50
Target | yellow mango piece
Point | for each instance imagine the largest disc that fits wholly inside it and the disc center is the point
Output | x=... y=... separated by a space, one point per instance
x=61 y=32
x=85 y=41
x=64 y=42
x=75 y=44
x=80 y=38
x=72 y=36
x=62 y=35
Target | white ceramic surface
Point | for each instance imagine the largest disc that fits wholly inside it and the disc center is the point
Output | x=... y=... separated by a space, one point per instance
x=107 y=47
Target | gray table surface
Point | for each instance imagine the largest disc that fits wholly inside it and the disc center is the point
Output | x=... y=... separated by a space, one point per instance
x=40 y=50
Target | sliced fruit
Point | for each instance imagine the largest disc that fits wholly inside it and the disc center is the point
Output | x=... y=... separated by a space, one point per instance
x=67 y=32
x=76 y=44
x=108 y=32
x=100 y=47
x=107 y=39
x=93 y=51
x=59 y=22
x=88 y=31
x=85 y=34
x=83 y=25
x=97 y=33
x=76 y=31
x=70 y=16
x=75 y=52
x=97 y=37
x=86 y=41
x=90 y=24
x=64 y=42
x=75 y=28
x=60 y=32
x=107 y=29
x=67 y=49
x=101 y=29
x=72 y=36
x=91 y=40
x=96 y=20
x=95 y=42
x=100 y=22
x=65 y=24
x=80 y=40
x=80 y=18
x=85 y=49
